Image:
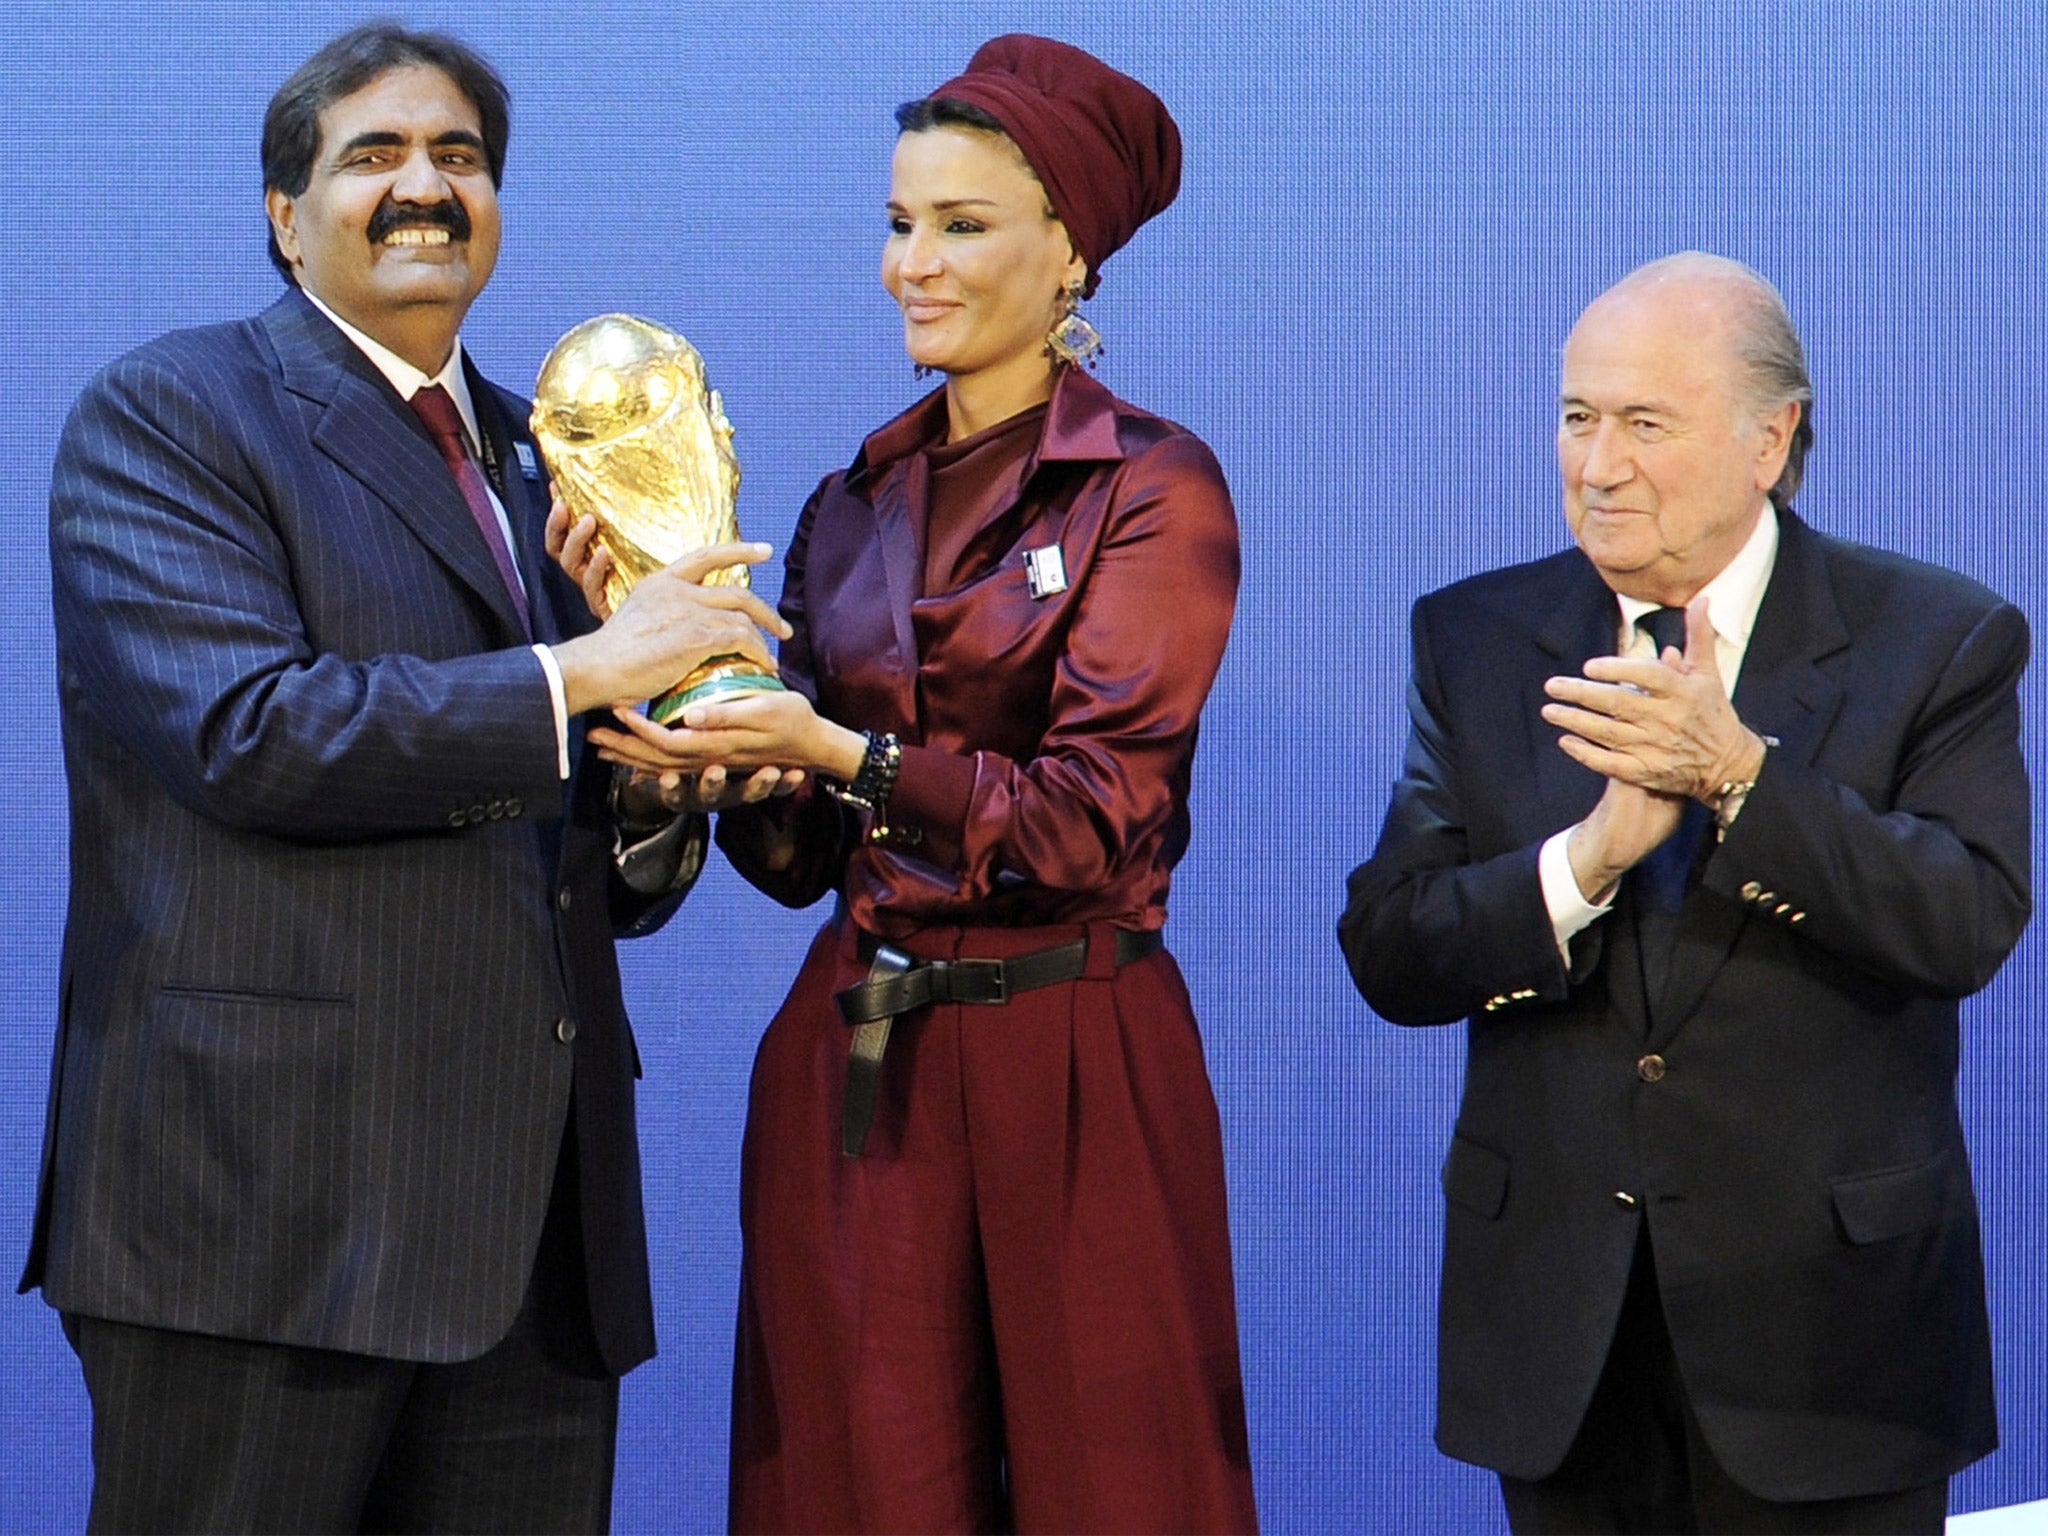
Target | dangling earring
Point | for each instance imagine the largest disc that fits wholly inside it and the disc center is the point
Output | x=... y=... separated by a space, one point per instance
x=922 y=371
x=1073 y=339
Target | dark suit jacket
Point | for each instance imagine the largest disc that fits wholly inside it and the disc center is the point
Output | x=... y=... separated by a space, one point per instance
x=1800 y=1161
x=334 y=919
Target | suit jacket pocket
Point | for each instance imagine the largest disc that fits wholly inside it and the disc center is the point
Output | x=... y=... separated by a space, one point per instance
x=1475 y=1178
x=1890 y=1202
x=247 y=1100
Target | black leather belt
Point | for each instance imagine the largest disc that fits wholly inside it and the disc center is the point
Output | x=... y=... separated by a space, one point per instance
x=898 y=983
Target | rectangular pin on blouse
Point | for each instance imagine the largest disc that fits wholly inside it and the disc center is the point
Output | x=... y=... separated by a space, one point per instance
x=1044 y=571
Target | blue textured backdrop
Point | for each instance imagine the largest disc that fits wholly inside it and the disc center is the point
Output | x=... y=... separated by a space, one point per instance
x=1388 y=222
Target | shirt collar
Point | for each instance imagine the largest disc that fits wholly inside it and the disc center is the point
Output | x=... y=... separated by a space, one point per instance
x=405 y=378
x=1734 y=595
x=1080 y=424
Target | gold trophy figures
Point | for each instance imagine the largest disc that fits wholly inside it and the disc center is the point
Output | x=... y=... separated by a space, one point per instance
x=635 y=439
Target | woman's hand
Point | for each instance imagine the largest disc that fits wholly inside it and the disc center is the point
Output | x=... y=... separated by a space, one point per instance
x=764 y=730
x=678 y=793
x=572 y=545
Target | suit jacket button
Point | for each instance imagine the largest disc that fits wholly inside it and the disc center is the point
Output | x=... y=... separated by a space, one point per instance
x=562 y=900
x=1651 y=1068
x=565 y=1030
x=457 y=819
x=1624 y=1199
x=1751 y=890
x=515 y=806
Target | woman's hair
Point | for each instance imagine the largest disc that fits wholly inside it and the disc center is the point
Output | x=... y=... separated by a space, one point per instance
x=944 y=112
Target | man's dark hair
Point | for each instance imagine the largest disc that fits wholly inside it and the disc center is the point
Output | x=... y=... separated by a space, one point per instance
x=944 y=112
x=291 y=124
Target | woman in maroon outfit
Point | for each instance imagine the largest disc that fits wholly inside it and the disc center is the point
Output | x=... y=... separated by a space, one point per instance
x=987 y=1277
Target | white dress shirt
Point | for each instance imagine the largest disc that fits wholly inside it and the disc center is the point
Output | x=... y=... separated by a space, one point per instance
x=1733 y=598
x=409 y=381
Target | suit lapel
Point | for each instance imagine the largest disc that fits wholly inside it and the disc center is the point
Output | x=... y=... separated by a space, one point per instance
x=1785 y=695
x=371 y=433
x=1583 y=621
x=525 y=500
x=525 y=503
x=1784 y=692
x=900 y=503
x=892 y=478
x=1579 y=624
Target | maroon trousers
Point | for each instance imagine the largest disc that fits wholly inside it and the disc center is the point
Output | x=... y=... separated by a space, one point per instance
x=1015 y=1310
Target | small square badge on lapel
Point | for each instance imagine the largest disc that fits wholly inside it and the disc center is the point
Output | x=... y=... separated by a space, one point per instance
x=1045 y=571
x=529 y=466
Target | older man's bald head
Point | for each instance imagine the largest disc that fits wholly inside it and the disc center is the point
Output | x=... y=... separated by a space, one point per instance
x=1677 y=423
x=1734 y=303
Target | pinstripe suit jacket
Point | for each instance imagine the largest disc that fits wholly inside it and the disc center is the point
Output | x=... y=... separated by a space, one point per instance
x=339 y=939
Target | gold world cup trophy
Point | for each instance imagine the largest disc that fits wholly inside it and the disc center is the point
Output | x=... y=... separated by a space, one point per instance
x=636 y=439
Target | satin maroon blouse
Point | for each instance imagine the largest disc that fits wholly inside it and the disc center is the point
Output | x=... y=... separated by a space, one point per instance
x=1046 y=741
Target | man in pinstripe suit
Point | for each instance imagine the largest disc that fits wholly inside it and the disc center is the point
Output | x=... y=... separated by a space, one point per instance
x=340 y=1199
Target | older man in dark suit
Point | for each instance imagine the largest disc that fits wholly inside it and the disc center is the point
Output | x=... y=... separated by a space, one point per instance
x=1711 y=1253
x=341 y=1199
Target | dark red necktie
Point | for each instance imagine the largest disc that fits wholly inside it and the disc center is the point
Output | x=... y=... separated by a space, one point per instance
x=437 y=409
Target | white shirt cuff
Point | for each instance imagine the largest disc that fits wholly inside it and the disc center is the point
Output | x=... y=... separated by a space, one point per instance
x=561 y=702
x=1570 y=912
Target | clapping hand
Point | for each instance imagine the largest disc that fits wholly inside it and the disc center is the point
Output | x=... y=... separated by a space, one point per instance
x=1662 y=732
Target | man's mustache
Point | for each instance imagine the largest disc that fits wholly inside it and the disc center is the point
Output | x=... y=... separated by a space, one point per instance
x=451 y=216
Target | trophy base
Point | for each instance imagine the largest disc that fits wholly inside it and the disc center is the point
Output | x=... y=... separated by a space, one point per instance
x=722 y=677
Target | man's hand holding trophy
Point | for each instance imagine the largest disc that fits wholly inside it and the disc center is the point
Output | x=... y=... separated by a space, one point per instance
x=646 y=483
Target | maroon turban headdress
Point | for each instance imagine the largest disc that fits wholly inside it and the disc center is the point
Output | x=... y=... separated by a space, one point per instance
x=1105 y=148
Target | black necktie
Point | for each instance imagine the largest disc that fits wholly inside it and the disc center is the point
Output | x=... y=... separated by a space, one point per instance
x=1666 y=626
x=1659 y=883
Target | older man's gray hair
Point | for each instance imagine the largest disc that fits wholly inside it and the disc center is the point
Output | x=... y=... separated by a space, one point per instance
x=1766 y=341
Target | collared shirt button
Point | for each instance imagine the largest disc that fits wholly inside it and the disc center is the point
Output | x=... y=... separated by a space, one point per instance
x=565 y=1030
x=1651 y=1068
x=1751 y=890
x=1624 y=1199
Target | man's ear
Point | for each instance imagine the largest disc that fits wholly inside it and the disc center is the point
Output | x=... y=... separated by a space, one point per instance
x=283 y=210
x=1774 y=442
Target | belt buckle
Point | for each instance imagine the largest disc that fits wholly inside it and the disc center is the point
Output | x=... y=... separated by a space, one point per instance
x=978 y=981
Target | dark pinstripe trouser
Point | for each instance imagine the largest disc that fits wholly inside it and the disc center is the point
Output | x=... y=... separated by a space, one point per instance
x=195 y=1433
